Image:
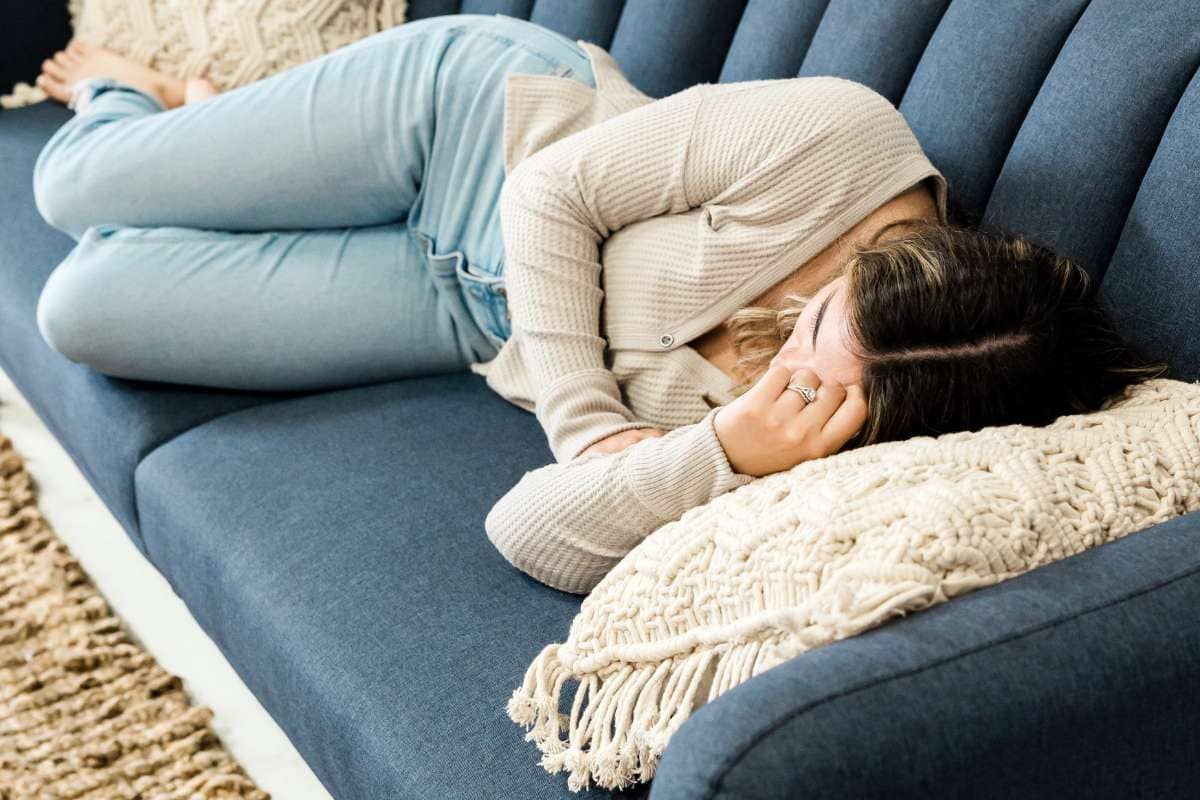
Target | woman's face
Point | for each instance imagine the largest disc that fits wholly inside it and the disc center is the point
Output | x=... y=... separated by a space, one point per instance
x=829 y=356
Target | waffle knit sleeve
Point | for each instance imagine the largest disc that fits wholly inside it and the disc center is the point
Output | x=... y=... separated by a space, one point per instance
x=567 y=525
x=557 y=206
x=757 y=155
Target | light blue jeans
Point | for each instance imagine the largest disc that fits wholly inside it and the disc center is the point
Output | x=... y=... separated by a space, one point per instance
x=331 y=225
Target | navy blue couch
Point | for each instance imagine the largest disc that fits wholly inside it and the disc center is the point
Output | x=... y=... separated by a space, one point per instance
x=332 y=543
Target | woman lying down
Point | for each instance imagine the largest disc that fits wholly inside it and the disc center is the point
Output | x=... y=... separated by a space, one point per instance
x=689 y=292
x=927 y=328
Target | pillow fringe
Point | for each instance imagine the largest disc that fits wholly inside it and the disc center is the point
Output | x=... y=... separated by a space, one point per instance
x=23 y=94
x=622 y=718
x=623 y=715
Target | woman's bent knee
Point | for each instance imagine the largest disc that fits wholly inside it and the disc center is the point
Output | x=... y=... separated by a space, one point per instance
x=71 y=310
x=58 y=318
x=57 y=195
x=68 y=186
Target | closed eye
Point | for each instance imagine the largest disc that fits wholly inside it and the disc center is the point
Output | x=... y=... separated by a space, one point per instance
x=817 y=318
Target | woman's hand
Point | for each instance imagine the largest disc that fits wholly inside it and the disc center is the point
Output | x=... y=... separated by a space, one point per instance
x=619 y=441
x=771 y=428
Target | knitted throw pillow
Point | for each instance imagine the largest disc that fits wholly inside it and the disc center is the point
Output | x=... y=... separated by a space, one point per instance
x=230 y=42
x=804 y=557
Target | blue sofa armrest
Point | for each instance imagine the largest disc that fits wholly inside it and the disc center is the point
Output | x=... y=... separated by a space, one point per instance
x=31 y=32
x=1074 y=679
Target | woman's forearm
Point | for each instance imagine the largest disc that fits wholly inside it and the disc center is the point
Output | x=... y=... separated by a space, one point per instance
x=557 y=207
x=567 y=525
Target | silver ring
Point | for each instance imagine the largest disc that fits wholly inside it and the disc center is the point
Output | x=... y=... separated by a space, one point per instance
x=807 y=392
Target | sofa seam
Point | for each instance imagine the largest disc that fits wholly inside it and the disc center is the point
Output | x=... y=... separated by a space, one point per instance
x=761 y=735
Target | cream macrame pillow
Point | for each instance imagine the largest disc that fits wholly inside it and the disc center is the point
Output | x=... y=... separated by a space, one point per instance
x=801 y=558
x=230 y=42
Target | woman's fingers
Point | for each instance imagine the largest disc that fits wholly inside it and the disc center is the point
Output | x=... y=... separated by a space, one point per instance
x=805 y=427
x=847 y=420
x=771 y=427
x=829 y=397
x=792 y=401
x=771 y=383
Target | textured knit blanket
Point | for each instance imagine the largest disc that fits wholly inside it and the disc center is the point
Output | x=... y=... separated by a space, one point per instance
x=834 y=546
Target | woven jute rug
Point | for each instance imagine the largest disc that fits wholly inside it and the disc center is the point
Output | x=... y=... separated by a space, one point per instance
x=85 y=712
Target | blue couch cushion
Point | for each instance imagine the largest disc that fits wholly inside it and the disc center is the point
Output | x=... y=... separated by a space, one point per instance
x=1153 y=281
x=106 y=424
x=334 y=547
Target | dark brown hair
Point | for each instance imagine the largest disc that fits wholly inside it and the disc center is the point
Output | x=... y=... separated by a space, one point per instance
x=959 y=328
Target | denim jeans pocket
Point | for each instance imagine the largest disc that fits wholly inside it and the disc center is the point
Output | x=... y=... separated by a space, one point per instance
x=487 y=299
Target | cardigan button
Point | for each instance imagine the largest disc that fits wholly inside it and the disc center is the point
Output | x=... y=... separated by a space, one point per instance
x=666 y=340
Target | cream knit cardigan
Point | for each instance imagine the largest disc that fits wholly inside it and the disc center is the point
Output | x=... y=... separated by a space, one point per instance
x=801 y=558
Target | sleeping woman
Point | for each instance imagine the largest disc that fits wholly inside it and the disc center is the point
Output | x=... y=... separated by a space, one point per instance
x=688 y=292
